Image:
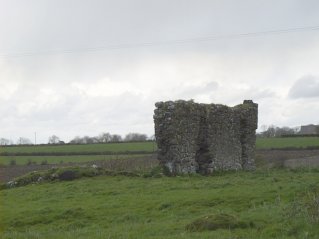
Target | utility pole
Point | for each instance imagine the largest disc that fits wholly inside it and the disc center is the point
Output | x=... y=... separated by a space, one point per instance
x=35 y=138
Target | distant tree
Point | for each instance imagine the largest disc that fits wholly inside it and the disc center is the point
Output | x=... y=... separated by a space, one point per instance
x=270 y=132
x=104 y=137
x=135 y=137
x=76 y=140
x=284 y=131
x=297 y=129
x=95 y=139
x=54 y=139
x=84 y=140
x=274 y=131
x=116 y=138
x=263 y=128
x=23 y=140
x=152 y=137
x=89 y=140
x=4 y=141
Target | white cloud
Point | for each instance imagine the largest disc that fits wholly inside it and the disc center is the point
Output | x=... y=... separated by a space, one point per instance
x=305 y=87
x=105 y=87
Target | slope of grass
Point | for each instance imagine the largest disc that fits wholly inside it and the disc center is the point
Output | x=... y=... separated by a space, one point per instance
x=294 y=142
x=263 y=204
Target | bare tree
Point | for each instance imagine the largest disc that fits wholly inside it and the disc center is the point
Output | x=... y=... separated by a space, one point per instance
x=116 y=138
x=25 y=141
x=270 y=132
x=297 y=129
x=284 y=131
x=4 y=141
x=274 y=131
x=104 y=137
x=54 y=139
x=135 y=137
x=263 y=128
x=84 y=140
x=89 y=140
x=152 y=137
x=76 y=140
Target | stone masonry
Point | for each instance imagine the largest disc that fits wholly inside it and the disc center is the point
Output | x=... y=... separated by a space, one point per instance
x=204 y=138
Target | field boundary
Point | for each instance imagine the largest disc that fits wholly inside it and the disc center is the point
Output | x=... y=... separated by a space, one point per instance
x=290 y=148
x=74 y=153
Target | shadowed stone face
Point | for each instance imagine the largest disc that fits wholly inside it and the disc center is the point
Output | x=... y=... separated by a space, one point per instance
x=204 y=138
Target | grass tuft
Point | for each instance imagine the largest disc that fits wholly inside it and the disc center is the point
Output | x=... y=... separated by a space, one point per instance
x=216 y=221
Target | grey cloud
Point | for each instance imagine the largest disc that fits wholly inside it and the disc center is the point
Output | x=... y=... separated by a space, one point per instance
x=51 y=25
x=37 y=93
x=305 y=87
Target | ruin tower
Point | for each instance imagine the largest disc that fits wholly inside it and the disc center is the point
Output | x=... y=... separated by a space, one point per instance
x=204 y=138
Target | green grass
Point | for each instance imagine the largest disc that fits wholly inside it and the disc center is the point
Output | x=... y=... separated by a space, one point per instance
x=106 y=150
x=261 y=143
x=23 y=160
x=85 y=148
x=267 y=204
x=294 y=142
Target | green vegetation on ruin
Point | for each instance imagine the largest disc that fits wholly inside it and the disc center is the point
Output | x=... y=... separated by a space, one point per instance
x=261 y=204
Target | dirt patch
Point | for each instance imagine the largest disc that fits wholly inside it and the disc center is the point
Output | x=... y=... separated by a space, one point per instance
x=264 y=158
x=309 y=162
x=277 y=158
x=8 y=173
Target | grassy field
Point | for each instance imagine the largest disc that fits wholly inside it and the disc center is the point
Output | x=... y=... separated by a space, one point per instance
x=105 y=151
x=293 y=142
x=84 y=148
x=261 y=143
x=24 y=160
x=262 y=204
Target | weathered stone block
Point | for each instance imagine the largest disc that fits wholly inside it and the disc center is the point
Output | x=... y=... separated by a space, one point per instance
x=204 y=138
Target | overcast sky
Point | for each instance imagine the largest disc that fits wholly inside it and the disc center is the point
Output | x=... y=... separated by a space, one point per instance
x=82 y=67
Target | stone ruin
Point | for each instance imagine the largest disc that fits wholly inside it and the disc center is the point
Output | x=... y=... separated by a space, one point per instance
x=203 y=138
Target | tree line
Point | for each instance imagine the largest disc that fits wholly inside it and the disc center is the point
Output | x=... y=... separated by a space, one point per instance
x=109 y=138
x=275 y=131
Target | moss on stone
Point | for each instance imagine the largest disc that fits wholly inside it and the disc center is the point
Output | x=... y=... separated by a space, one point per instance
x=204 y=138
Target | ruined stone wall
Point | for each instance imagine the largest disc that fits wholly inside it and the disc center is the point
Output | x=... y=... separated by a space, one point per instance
x=204 y=138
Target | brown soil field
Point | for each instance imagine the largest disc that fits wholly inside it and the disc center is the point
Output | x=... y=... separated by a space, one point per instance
x=8 y=173
x=264 y=159
x=277 y=158
x=304 y=162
